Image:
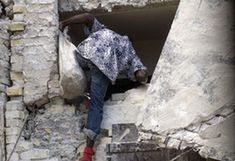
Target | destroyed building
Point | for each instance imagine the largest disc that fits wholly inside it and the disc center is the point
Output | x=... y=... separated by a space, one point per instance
x=185 y=113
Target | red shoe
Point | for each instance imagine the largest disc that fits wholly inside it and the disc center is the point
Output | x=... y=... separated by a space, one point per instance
x=87 y=155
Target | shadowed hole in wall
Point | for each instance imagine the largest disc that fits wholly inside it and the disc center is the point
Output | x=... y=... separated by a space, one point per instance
x=147 y=27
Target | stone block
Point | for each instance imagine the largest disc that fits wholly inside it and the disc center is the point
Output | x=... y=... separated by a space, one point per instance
x=14 y=91
x=16 y=42
x=17 y=78
x=17 y=26
x=14 y=123
x=35 y=154
x=12 y=131
x=124 y=133
x=19 y=17
x=17 y=63
x=15 y=115
x=11 y=139
x=15 y=106
x=16 y=75
x=19 y=8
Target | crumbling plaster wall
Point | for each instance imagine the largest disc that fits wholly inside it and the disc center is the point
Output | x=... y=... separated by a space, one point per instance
x=190 y=101
x=30 y=72
x=4 y=79
x=88 y=5
x=5 y=7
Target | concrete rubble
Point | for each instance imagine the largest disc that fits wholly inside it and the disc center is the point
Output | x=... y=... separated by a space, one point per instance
x=190 y=98
x=189 y=103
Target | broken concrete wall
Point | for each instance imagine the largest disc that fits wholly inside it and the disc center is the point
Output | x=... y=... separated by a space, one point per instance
x=34 y=29
x=191 y=91
x=88 y=5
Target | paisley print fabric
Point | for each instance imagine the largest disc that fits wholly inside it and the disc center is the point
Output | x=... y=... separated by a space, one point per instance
x=112 y=53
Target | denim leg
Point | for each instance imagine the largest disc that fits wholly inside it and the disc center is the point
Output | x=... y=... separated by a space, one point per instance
x=98 y=88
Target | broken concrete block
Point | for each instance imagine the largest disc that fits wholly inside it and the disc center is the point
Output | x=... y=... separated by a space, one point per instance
x=17 y=26
x=124 y=133
x=14 y=91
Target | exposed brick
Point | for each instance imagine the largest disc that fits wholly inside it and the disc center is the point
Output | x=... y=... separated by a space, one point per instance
x=17 y=26
x=14 y=91
x=16 y=75
x=19 y=8
x=17 y=78
x=17 y=63
x=16 y=42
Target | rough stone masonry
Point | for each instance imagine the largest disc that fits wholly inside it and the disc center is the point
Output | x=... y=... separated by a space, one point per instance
x=193 y=80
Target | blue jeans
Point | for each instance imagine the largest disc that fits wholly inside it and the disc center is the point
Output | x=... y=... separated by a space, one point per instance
x=98 y=87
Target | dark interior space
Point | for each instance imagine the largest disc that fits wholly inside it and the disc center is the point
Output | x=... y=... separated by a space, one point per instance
x=148 y=28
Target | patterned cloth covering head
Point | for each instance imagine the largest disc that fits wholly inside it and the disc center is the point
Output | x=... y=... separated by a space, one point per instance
x=112 y=53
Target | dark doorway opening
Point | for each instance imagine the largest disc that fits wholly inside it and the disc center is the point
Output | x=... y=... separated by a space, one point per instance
x=148 y=28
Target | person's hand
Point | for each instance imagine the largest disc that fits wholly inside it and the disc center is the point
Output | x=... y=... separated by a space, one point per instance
x=141 y=76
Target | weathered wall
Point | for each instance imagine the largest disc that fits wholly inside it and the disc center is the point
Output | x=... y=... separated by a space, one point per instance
x=32 y=70
x=4 y=69
x=191 y=94
x=88 y=5
x=4 y=79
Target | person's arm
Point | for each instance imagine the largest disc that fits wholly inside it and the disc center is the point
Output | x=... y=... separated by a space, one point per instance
x=84 y=18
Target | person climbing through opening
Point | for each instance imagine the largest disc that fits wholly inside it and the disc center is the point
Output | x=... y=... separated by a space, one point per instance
x=105 y=54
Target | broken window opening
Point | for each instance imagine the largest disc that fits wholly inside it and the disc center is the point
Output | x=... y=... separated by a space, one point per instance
x=147 y=27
